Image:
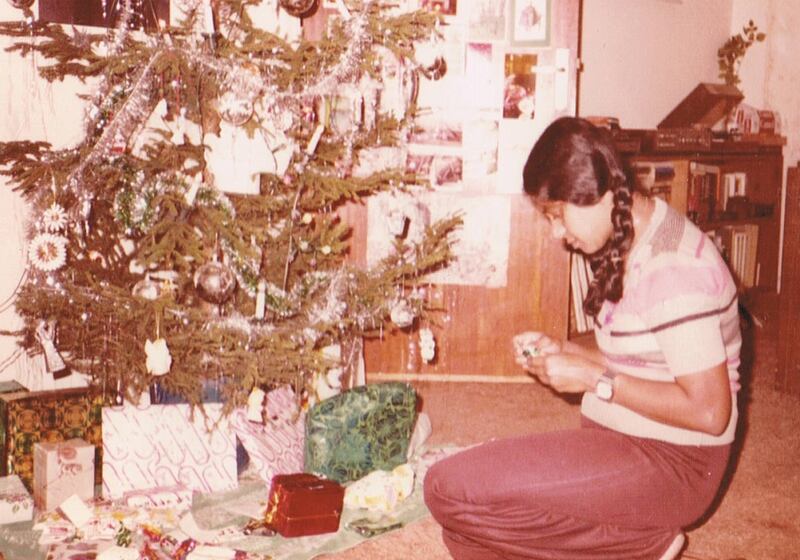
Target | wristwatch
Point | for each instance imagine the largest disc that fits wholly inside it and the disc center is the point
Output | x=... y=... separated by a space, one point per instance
x=604 y=389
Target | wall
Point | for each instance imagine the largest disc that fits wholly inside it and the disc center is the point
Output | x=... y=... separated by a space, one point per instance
x=641 y=57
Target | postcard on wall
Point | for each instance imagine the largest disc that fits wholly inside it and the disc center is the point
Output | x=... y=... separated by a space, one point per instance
x=519 y=85
x=435 y=151
x=444 y=7
x=530 y=23
x=487 y=20
x=482 y=242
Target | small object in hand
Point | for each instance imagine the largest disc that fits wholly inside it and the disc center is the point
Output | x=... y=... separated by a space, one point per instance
x=531 y=352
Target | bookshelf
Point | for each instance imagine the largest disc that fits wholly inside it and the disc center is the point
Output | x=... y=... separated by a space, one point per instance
x=730 y=188
x=732 y=191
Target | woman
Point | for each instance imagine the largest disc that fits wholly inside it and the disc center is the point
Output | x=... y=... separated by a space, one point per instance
x=658 y=413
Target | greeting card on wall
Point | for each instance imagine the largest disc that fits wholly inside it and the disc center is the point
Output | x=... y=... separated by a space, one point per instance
x=483 y=240
x=530 y=23
x=435 y=151
x=487 y=20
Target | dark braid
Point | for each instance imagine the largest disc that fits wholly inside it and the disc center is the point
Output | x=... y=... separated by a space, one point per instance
x=576 y=162
x=608 y=264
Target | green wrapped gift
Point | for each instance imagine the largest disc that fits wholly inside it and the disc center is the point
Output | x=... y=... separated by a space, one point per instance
x=358 y=431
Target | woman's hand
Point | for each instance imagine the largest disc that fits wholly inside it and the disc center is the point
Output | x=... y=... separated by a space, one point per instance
x=531 y=347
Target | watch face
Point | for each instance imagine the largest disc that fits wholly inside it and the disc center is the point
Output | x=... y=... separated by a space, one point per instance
x=604 y=389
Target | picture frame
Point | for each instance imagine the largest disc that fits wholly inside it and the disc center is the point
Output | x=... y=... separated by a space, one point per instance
x=529 y=23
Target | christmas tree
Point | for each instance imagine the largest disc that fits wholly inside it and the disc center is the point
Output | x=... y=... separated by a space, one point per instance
x=145 y=266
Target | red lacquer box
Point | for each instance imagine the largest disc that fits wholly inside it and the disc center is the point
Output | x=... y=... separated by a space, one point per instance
x=302 y=504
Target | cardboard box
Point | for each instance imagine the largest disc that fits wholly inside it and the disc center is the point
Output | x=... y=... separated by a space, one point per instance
x=27 y=418
x=16 y=503
x=61 y=469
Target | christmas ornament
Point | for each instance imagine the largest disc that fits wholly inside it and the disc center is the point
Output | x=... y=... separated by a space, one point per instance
x=53 y=362
x=158 y=359
x=427 y=345
x=401 y=314
x=147 y=289
x=215 y=282
x=255 y=405
x=21 y=4
x=299 y=8
x=235 y=109
x=54 y=218
x=48 y=252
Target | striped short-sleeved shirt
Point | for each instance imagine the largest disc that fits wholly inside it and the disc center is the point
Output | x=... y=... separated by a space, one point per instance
x=678 y=315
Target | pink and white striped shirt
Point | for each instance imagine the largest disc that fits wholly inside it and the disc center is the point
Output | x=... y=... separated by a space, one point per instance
x=678 y=315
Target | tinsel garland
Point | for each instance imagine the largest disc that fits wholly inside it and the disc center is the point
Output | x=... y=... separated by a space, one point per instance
x=139 y=228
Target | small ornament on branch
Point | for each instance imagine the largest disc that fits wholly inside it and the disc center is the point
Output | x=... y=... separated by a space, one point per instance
x=401 y=314
x=48 y=252
x=159 y=360
x=146 y=288
x=21 y=4
x=54 y=219
x=427 y=345
x=215 y=282
x=299 y=8
x=53 y=362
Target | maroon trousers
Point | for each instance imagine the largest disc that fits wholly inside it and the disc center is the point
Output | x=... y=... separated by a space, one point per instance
x=590 y=493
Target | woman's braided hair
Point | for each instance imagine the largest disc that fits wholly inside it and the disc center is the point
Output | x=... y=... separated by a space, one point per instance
x=575 y=162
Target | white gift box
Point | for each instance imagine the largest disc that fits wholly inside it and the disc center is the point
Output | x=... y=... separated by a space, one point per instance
x=16 y=504
x=277 y=446
x=162 y=446
x=61 y=469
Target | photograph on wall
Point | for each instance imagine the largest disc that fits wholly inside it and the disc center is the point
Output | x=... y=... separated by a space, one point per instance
x=487 y=20
x=519 y=86
x=530 y=22
x=484 y=76
x=435 y=151
x=482 y=242
x=444 y=7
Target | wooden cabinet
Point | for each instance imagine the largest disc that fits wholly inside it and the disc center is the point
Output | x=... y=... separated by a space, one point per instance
x=788 y=370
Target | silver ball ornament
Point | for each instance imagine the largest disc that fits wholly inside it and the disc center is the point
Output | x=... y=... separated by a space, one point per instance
x=215 y=282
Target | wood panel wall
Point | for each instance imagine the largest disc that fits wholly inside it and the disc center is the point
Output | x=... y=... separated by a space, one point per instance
x=787 y=376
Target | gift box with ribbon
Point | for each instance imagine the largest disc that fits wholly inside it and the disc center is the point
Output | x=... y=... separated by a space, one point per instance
x=61 y=469
x=303 y=504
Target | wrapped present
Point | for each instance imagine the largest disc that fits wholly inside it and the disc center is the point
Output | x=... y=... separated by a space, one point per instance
x=61 y=469
x=302 y=504
x=166 y=445
x=27 y=418
x=275 y=446
x=363 y=429
x=16 y=503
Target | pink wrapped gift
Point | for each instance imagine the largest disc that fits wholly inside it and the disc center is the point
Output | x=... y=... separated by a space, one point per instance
x=61 y=469
x=164 y=445
x=15 y=502
x=277 y=446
